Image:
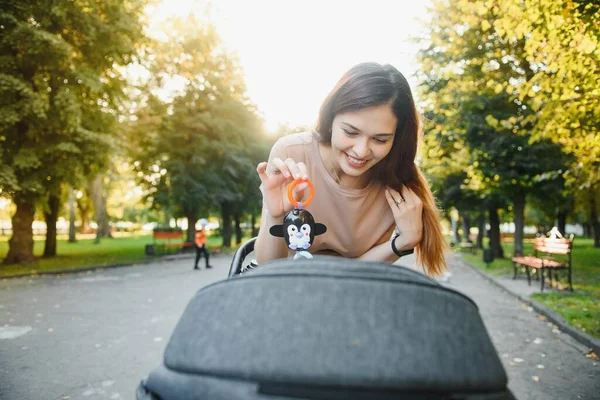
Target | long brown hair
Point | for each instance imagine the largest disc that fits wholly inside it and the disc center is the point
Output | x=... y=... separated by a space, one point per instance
x=371 y=84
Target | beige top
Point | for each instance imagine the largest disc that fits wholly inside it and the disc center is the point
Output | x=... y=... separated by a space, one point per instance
x=356 y=219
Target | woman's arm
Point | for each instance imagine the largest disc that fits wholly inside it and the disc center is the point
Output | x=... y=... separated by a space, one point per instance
x=383 y=252
x=408 y=214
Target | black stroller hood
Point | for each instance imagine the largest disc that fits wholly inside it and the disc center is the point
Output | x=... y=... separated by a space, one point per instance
x=328 y=328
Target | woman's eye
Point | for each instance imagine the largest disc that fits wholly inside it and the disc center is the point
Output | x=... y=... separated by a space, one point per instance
x=349 y=133
x=381 y=141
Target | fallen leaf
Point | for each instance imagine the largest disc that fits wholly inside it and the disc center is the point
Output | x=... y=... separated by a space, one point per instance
x=519 y=360
x=50 y=329
x=592 y=355
x=537 y=340
x=535 y=378
x=540 y=366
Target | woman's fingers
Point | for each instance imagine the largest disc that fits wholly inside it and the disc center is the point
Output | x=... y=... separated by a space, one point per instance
x=303 y=171
x=411 y=198
x=279 y=167
x=277 y=172
x=392 y=203
x=407 y=209
x=261 y=169
x=299 y=191
x=296 y=169
x=396 y=197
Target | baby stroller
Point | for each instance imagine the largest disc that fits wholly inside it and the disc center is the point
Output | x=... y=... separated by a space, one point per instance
x=327 y=328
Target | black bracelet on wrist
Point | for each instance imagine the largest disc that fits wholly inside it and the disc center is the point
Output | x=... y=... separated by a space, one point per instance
x=400 y=253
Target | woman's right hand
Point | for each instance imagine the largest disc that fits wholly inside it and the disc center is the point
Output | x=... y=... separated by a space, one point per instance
x=275 y=178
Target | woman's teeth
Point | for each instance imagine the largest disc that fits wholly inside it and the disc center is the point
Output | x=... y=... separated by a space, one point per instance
x=355 y=161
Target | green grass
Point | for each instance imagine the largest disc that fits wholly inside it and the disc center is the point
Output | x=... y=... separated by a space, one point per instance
x=84 y=253
x=581 y=308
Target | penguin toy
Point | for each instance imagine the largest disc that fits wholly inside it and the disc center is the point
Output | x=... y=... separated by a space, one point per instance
x=299 y=227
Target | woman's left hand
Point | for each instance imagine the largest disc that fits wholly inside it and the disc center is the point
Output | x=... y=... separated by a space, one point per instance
x=408 y=214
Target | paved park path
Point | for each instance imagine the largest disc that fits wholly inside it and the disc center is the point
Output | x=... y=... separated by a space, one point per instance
x=541 y=361
x=94 y=335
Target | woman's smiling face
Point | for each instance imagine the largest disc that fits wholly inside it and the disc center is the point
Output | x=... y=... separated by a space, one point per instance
x=360 y=139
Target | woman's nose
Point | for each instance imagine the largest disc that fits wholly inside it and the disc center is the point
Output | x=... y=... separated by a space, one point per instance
x=362 y=149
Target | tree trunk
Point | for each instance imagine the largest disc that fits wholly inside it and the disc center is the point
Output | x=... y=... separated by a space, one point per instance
x=226 y=227
x=167 y=220
x=587 y=229
x=455 y=221
x=84 y=212
x=561 y=217
x=594 y=218
x=105 y=219
x=191 y=228
x=466 y=227
x=519 y=220
x=495 y=244
x=51 y=216
x=72 y=238
x=254 y=231
x=96 y=190
x=481 y=226
x=238 y=229
x=20 y=245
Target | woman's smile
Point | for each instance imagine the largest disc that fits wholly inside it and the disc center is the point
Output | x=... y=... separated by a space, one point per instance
x=355 y=162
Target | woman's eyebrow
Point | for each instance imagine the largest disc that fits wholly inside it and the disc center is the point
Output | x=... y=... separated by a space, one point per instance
x=351 y=126
x=356 y=129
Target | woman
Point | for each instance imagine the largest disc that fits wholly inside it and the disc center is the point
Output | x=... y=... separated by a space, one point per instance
x=360 y=159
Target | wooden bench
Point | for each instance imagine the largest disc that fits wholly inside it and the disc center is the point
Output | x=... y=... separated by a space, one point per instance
x=169 y=241
x=510 y=237
x=545 y=257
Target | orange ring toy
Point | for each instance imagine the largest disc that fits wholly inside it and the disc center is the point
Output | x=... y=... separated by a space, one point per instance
x=291 y=189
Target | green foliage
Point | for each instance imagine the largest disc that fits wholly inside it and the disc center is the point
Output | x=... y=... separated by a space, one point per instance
x=197 y=149
x=59 y=87
x=465 y=71
x=502 y=69
x=562 y=48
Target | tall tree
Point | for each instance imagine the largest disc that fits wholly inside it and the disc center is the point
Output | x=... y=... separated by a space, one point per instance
x=59 y=82
x=467 y=72
x=195 y=144
x=562 y=48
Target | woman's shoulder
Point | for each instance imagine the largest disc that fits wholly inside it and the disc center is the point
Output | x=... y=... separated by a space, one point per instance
x=296 y=146
x=296 y=139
